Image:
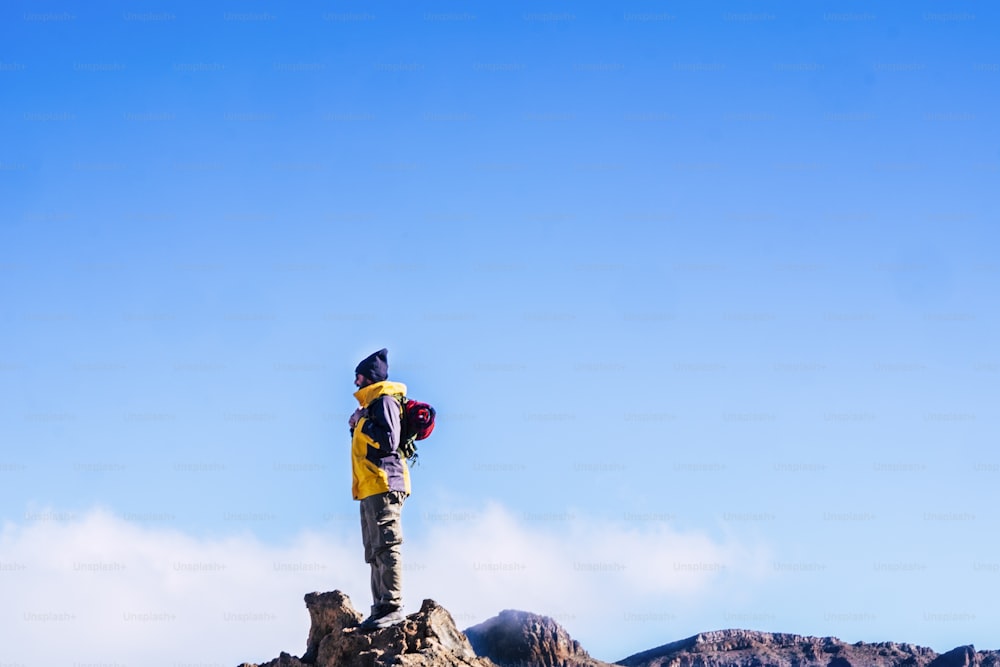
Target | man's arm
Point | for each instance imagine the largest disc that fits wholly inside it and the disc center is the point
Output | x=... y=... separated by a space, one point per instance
x=383 y=424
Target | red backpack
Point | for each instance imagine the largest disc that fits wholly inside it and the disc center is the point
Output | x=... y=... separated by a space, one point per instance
x=416 y=423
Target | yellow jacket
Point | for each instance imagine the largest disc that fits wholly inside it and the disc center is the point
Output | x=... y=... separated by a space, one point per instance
x=376 y=465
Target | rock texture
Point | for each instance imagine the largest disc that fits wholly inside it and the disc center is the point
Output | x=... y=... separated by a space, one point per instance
x=745 y=648
x=522 y=639
x=427 y=638
x=966 y=656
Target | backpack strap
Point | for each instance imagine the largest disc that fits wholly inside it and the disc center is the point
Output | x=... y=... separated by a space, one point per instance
x=407 y=448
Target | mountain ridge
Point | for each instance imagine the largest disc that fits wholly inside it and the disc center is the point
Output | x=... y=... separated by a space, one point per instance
x=513 y=638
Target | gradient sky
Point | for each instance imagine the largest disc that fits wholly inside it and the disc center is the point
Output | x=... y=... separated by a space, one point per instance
x=705 y=295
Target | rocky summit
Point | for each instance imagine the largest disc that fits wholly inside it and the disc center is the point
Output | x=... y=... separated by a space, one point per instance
x=522 y=639
x=429 y=638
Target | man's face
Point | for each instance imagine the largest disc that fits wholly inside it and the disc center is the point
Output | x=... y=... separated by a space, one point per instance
x=361 y=381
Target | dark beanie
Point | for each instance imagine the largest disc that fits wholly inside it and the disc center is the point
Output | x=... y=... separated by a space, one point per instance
x=375 y=367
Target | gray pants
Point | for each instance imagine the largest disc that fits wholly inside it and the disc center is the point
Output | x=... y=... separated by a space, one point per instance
x=382 y=534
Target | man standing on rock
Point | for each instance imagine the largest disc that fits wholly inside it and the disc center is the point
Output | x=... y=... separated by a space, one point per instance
x=381 y=481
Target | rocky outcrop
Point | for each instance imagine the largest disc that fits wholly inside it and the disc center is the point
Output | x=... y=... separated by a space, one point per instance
x=745 y=648
x=427 y=638
x=522 y=639
x=329 y=614
x=966 y=656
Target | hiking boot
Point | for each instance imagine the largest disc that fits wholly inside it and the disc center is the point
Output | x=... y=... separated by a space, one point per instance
x=387 y=619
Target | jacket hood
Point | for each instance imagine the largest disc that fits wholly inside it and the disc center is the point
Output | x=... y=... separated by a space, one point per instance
x=370 y=392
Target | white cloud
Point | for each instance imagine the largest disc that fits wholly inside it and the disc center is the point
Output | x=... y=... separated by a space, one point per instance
x=97 y=589
x=592 y=576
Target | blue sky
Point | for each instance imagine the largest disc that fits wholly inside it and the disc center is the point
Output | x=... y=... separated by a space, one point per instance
x=704 y=293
